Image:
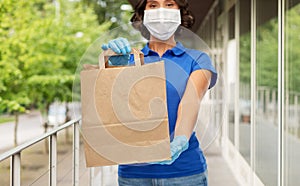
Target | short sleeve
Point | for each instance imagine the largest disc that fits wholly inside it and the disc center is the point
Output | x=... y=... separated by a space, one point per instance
x=204 y=62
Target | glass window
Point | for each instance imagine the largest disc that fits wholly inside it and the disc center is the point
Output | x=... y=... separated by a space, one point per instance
x=266 y=130
x=292 y=93
x=245 y=80
x=231 y=71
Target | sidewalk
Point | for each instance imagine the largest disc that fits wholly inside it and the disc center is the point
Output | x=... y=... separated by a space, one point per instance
x=30 y=126
x=219 y=172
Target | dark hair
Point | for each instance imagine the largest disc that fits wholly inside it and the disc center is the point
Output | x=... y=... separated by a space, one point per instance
x=187 y=18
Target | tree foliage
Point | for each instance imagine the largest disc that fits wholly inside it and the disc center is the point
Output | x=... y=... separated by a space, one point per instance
x=267 y=53
x=114 y=14
x=41 y=44
x=292 y=57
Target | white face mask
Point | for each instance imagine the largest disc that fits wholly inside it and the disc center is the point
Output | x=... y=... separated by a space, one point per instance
x=162 y=22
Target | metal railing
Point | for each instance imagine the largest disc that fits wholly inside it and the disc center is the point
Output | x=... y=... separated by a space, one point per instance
x=15 y=154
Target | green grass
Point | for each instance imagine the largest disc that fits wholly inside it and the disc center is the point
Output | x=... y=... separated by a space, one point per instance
x=5 y=119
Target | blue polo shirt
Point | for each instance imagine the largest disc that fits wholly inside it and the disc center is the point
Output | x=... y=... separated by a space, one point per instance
x=180 y=62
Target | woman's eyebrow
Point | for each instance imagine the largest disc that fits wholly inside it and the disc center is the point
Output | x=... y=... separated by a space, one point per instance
x=150 y=1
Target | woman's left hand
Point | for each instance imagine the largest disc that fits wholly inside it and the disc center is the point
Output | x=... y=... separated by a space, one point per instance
x=119 y=46
x=178 y=145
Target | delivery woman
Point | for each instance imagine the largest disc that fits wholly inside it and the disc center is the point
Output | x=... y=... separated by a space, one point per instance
x=189 y=74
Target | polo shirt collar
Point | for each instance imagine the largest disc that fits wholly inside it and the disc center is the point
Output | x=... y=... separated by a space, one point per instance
x=177 y=50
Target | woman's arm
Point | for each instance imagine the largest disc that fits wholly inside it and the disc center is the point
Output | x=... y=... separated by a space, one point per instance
x=188 y=108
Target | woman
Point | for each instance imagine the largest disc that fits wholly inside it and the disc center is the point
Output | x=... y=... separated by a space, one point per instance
x=189 y=74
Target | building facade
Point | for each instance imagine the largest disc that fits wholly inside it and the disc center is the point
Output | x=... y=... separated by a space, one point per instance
x=255 y=44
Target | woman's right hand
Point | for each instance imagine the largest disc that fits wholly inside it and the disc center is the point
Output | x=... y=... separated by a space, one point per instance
x=119 y=46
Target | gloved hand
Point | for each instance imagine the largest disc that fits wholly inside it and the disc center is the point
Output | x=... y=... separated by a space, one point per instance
x=119 y=46
x=178 y=145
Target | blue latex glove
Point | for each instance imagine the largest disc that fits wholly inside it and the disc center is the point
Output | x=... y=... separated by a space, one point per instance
x=119 y=46
x=178 y=145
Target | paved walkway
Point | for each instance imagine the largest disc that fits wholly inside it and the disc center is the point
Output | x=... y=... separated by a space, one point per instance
x=219 y=172
x=30 y=126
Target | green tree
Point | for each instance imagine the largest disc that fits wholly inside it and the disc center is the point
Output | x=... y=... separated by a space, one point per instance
x=61 y=41
x=245 y=58
x=12 y=56
x=115 y=14
x=293 y=49
x=41 y=44
x=267 y=53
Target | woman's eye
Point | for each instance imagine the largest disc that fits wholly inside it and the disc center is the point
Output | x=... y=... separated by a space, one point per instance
x=152 y=6
x=170 y=4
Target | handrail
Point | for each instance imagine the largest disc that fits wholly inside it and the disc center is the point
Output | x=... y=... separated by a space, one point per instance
x=15 y=154
x=25 y=145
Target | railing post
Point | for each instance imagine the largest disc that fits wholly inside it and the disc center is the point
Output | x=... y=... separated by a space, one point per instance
x=91 y=176
x=53 y=159
x=15 y=170
x=76 y=145
x=296 y=114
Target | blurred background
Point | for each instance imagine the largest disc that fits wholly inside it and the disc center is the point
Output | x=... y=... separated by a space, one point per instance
x=252 y=136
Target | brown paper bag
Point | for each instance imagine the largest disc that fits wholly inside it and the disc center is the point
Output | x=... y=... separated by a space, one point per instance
x=124 y=113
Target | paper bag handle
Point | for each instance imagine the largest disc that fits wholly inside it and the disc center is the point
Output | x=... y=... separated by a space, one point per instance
x=103 y=58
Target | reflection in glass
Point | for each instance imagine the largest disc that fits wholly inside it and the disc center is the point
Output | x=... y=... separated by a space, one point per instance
x=266 y=130
x=245 y=77
x=231 y=72
x=292 y=94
